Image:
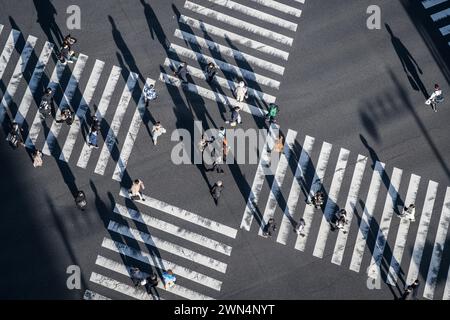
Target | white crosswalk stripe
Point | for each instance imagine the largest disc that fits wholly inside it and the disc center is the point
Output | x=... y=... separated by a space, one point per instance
x=119 y=287
x=82 y=109
x=91 y=295
x=445 y=30
x=280 y=7
x=438 y=249
x=111 y=138
x=440 y=15
x=238 y=23
x=65 y=102
x=16 y=77
x=430 y=3
x=8 y=50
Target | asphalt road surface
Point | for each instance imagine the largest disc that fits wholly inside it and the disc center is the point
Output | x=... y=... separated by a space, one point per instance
x=352 y=114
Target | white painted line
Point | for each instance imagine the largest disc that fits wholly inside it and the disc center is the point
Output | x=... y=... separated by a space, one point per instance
x=369 y=208
x=38 y=120
x=131 y=136
x=430 y=3
x=170 y=247
x=301 y=1
x=316 y=185
x=331 y=206
x=280 y=173
x=286 y=226
x=83 y=107
x=1 y=28
x=154 y=260
x=91 y=295
x=350 y=207
x=225 y=83
x=441 y=15
x=184 y=215
x=280 y=7
x=445 y=30
x=102 y=108
x=251 y=12
x=34 y=83
x=251 y=208
x=16 y=77
x=438 y=248
x=227 y=51
x=234 y=37
x=446 y=295
x=125 y=270
x=238 y=23
x=211 y=95
x=419 y=245
x=389 y=206
x=8 y=50
x=120 y=287
x=223 y=66
x=51 y=141
x=173 y=229
x=111 y=138
x=402 y=232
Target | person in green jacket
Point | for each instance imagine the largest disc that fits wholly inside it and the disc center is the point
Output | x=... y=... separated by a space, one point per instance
x=273 y=112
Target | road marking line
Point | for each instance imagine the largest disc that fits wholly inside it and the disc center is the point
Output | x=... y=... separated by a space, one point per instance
x=389 y=206
x=316 y=185
x=441 y=15
x=280 y=7
x=223 y=66
x=286 y=225
x=8 y=50
x=119 y=287
x=55 y=129
x=125 y=270
x=238 y=23
x=430 y=3
x=114 y=127
x=91 y=295
x=280 y=173
x=170 y=247
x=422 y=232
x=225 y=83
x=367 y=215
x=438 y=248
x=17 y=75
x=283 y=23
x=153 y=259
x=83 y=107
x=251 y=209
x=227 y=51
x=132 y=133
x=331 y=205
x=34 y=83
x=402 y=232
x=184 y=215
x=234 y=37
x=101 y=110
x=173 y=229
x=446 y=295
x=1 y=28
x=445 y=30
x=350 y=207
x=211 y=95
x=301 y=1
x=38 y=120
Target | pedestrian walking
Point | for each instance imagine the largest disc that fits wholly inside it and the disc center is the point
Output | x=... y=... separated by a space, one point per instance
x=222 y=133
x=317 y=200
x=66 y=54
x=169 y=279
x=93 y=133
x=216 y=191
x=80 y=200
x=37 y=158
x=137 y=277
x=210 y=72
x=225 y=149
x=15 y=137
x=69 y=40
x=435 y=98
x=409 y=212
x=149 y=93
x=203 y=143
x=46 y=105
x=300 y=227
x=152 y=284
x=182 y=72
x=270 y=227
x=235 y=117
x=272 y=112
x=241 y=92
x=279 y=146
x=67 y=116
x=157 y=130
x=410 y=291
x=136 y=190
x=339 y=220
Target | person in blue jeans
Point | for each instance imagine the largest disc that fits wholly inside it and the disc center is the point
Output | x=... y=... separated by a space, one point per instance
x=92 y=140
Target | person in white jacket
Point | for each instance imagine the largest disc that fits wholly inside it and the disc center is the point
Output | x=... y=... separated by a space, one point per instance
x=157 y=130
x=241 y=92
x=435 y=97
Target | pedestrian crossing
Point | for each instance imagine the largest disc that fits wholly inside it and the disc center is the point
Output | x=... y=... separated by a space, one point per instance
x=246 y=40
x=151 y=238
x=402 y=250
x=21 y=98
x=439 y=11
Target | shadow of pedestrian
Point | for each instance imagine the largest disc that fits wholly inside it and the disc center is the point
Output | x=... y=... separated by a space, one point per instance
x=46 y=13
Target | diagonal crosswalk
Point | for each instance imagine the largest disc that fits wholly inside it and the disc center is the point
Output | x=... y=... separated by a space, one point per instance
x=439 y=12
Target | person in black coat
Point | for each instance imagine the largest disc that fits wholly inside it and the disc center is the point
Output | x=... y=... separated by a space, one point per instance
x=216 y=191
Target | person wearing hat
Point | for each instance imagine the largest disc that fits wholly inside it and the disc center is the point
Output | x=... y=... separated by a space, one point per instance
x=241 y=92
x=216 y=191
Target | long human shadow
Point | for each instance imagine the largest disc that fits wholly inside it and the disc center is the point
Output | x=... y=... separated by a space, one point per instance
x=128 y=57
x=409 y=64
x=410 y=107
x=155 y=26
x=46 y=13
